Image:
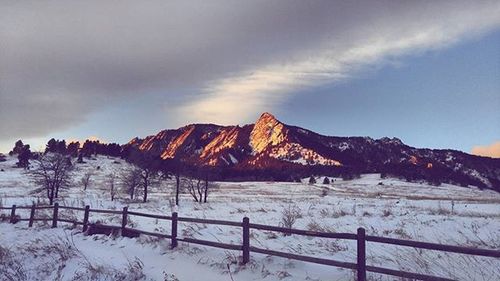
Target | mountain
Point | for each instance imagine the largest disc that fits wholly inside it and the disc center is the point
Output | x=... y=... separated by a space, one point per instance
x=270 y=149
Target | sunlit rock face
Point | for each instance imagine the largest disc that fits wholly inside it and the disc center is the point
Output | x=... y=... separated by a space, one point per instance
x=266 y=132
x=226 y=139
x=134 y=141
x=173 y=146
x=270 y=149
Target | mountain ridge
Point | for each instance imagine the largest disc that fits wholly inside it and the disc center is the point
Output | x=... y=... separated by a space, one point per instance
x=278 y=148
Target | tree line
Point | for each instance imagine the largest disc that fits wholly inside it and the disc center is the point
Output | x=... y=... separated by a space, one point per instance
x=53 y=170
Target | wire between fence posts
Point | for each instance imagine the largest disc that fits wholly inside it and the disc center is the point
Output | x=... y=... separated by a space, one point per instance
x=13 y=214
x=361 y=270
x=86 y=218
x=32 y=215
x=124 y=218
x=246 y=240
x=54 y=216
x=174 y=230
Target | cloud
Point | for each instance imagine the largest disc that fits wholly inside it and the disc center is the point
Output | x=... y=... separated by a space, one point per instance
x=492 y=150
x=223 y=61
x=244 y=95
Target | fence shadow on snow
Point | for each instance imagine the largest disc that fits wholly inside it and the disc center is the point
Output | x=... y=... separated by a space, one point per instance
x=361 y=238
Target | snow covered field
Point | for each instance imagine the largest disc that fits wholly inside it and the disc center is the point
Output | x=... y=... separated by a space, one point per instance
x=384 y=207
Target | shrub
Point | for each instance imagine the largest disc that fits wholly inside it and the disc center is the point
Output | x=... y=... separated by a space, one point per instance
x=11 y=268
x=289 y=216
x=387 y=212
x=324 y=192
x=315 y=226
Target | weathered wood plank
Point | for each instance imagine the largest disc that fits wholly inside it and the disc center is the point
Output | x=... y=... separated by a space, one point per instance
x=156 y=234
x=106 y=211
x=433 y=246
x=32 y=215
x=361 y=255
x=150 y=215
x=55 y=214
x=211 y=243
x=86 y=218
x=72 y=208
x=348 y=236
x=219 y=222
x=174 y=230
x=405 y=274
x=304 y=258
x=246 y=240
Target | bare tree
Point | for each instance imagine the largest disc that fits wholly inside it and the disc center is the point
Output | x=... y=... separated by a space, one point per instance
x=86 y=179
x=111 y=182
x=177 y=185
x=150 y=166
x=173 y=168
x=148 y=175
x=131 y=180
x=198 y=188
x=193 y=186
x=52 y=172
x=208 y=185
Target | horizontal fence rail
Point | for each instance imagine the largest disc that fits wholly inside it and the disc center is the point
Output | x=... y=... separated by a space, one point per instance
x=436 y=247
x=218 y=222
x=304 y=232
x=71 y=208
x=360 y=237
x=341 y=264
x=211 y=243
x=153 y=216
x=106 y=211
x=405 y=274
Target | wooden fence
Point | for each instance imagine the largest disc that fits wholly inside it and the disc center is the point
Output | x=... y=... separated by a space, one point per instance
x=361 y=238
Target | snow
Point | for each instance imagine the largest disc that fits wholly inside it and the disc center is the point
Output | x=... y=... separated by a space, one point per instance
x=343 y=146
x=294 y=152
x=384 y=207
x=233 y=159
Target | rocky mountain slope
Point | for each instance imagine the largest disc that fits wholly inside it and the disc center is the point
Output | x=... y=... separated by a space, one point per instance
x=270 y=149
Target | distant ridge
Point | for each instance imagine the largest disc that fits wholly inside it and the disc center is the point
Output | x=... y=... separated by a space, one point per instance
x=272 y=150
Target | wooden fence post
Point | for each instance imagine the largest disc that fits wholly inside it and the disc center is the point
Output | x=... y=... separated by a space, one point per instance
x=86 y=218
x=54 y=217
x=174 y=229
x=361 y=254
x=13 y=214
x=124 y=218
x=32 y=215
x=246 y=240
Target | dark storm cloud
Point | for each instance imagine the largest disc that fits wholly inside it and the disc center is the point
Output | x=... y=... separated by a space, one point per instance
x=61 y=60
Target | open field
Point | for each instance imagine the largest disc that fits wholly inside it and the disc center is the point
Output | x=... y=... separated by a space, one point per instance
x=384 y=207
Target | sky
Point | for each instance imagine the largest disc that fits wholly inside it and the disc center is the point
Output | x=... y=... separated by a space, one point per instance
x=427 y=72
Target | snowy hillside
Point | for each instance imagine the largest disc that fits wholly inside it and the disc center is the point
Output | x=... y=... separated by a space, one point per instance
x=268 y=147
x=384 y=207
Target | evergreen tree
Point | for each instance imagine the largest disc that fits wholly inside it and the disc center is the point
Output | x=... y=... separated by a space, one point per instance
x=312 y=180
x=24 y=156
x=51 y=146
x=18 y=147
x=61 y=147
x=73 y=148
x=80 y=158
